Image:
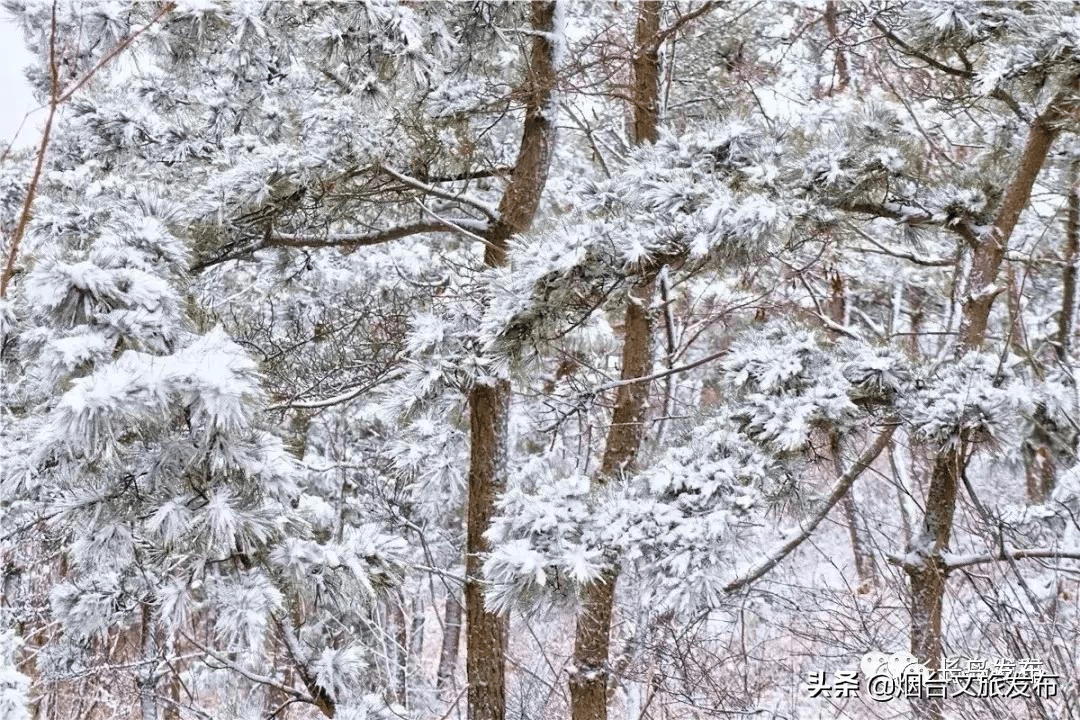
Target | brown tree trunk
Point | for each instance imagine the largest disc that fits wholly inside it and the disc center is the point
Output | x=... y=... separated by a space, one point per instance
x=589 y=676
x=924 y=567
x=990 y=249
x=451 y=638
x=489 y=402
x=1045 y=444
x=485 y=631
x=843 y=77
x=147 y=675
x=592 y=637
x=1068 y=274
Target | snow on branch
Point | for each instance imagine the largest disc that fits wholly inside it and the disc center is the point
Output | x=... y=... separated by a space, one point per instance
x=807 y=527
x=480 y=205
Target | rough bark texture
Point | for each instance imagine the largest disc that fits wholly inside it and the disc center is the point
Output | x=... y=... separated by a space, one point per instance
x=646 y=65
x=927 y=575
x=843 y=77
x=485 y=631
x=924 y=565
x=990 y=249
x=522 y=197
x=489 y=402
x=592 y=637
x=1068 y=274
x=589 y=676
x=148 y=677
x=1047 y=444
x=448 y=653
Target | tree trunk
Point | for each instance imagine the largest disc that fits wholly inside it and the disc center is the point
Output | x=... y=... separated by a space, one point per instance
x=416 y=642
x=843 y=77
x=589 y=675
x=864 y=561
x=927 y=575
x=925 y=568
x=489 y=401
x=485 y=631
x=400 y=655
x=1047 y=443
x=451 y=638
x=147 y=679
x=592 y=635
x=1068 y=274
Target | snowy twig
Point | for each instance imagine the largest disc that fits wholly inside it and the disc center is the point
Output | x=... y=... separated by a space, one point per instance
x=455 y=225
x=954 y=562
x=279 y=239
x=480 y=205
x=806 y=528
x=897 y=253
x=253 y=677
x=56 y=98
x=338 y=399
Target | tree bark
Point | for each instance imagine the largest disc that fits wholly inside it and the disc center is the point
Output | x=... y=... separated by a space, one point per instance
x=1068 y=274
x=592 y=636
x=589 y=675
x=843 y=77
x=489 y=400
x=486 y=631
x=990 y=249
x=148 y=678
x=924 y=565
x=450 y=640
x=1047 y=443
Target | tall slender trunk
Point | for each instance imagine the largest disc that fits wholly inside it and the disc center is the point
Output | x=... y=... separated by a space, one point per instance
x=489 y=401
x=864 y=561
x=448 y=651
x=1068 y=274
x=148 y=678
x=592 y=637
x=416 y=641
x=925 y=568
x=400 y=653
x=843 y=77
x=1046 y=443
x=592 y=640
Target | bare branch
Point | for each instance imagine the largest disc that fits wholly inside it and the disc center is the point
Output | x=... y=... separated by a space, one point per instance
x=806 y=528
x=955 y=562
x=253 y=677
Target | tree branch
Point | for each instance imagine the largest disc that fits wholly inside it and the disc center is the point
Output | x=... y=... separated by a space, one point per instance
x=253 y=677
x=908 y=50
x=806 y=528
x=954 y=562
x=480 y=205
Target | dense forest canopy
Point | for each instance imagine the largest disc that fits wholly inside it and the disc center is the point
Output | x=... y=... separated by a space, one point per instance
x=551 y=359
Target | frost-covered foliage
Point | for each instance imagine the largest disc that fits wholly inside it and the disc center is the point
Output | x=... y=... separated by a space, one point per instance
x=704 y=198
x=679 y=519
x=13 y=684
x=252 y=300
